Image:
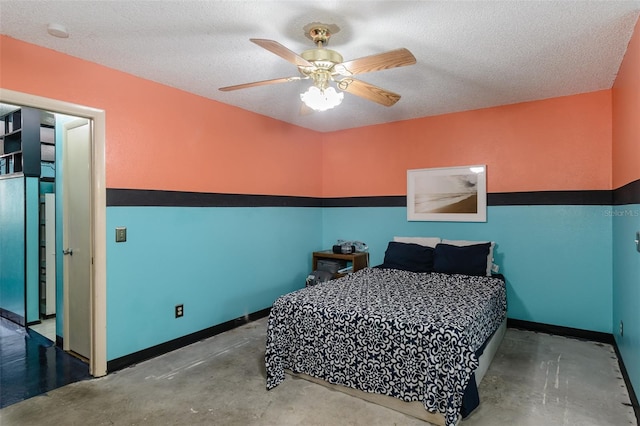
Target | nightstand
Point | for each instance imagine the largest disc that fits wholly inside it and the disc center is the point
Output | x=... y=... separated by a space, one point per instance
x=358 y=260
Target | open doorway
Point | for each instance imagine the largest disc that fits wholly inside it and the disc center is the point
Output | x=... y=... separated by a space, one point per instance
x=46 y=158
x=97 y=219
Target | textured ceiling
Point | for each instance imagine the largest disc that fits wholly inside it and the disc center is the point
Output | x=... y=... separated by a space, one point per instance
x=469 y=55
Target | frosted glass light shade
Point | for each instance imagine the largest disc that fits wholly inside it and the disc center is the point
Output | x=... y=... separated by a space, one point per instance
x=321 y=100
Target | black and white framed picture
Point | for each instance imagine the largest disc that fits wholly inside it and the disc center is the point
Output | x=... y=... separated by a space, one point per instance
x=454 y=194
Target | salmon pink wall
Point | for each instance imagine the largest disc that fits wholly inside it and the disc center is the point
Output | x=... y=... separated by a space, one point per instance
x=164 y=138
x=155 y=134
x=555 y=144
x=626 y=117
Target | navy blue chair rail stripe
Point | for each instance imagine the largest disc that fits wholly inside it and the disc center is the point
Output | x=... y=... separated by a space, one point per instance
x=544 y=198
x=143 y=197
x=628 y=194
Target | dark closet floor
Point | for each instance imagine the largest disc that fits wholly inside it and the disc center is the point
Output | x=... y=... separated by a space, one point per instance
x=30 y=364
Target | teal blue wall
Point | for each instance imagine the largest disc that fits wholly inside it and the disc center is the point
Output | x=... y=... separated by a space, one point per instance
x=556 y=259
x=221 y=263
x=626 y=287
x=12 y=245
x=33 y=248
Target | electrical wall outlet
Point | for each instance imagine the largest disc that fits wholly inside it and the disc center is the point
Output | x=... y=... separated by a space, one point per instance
x=179 y=311
x=621 y=328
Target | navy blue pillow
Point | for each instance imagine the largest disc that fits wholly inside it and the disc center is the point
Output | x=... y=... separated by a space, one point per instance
x=468 y=260
x=408 y=257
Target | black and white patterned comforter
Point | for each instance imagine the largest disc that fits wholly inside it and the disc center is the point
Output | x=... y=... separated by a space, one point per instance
x=409 y=335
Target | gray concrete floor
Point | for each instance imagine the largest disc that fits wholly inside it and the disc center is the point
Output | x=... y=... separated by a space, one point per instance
x=535 y=380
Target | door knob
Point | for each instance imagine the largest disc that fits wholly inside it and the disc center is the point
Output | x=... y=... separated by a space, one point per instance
x=68 y=251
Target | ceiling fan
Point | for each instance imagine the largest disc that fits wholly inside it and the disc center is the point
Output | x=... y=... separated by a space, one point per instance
x=324 y=66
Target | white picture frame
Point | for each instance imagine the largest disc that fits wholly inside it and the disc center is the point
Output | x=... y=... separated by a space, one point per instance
x=452 y=194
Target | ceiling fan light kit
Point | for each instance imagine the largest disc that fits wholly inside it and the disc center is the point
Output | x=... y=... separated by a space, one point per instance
x=321 y=100
x=324 y=66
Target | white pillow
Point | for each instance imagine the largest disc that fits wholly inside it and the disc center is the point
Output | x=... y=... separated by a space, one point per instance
x=462 y=243
x=423 y=241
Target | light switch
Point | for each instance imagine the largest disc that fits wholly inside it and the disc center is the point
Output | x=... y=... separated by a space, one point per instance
x=121 y=234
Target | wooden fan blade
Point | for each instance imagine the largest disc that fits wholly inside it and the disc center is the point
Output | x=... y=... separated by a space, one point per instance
x=283 y=52
x=391 y=59
x=368 y=91
x=260 y=83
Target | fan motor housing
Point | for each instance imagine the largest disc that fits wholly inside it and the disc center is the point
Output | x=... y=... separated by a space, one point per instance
x=322 y=57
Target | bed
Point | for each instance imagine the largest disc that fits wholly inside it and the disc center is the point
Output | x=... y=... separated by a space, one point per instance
x=408 y=332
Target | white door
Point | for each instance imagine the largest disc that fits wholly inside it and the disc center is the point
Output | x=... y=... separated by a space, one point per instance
x=76 y=193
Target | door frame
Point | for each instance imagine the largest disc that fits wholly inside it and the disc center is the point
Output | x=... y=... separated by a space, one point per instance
x=98 y=308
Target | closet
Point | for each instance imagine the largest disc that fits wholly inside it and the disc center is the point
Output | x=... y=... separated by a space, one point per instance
x=27 y=153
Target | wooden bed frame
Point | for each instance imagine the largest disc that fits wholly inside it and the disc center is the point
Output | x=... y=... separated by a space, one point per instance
x=415 y=408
